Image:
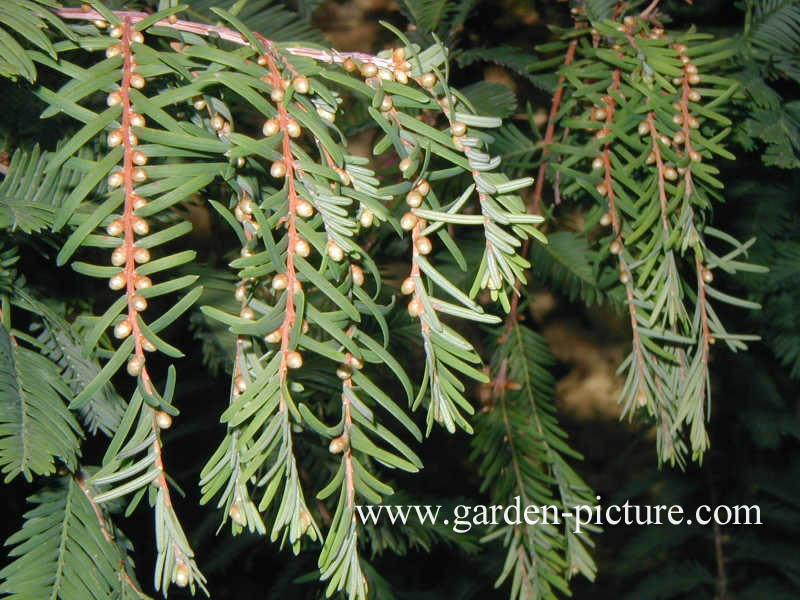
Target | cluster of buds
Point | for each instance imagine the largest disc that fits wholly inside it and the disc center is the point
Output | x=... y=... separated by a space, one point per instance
x=127 y=255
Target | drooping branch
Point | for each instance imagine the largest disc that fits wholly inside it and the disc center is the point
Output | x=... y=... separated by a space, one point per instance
x=330 y=56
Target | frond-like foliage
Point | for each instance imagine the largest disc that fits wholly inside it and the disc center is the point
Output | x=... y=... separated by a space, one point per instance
x=68 y=548
x=29 y=197
x=640 y=122
x=522 y=455
x=24 y=25
x=36 y=429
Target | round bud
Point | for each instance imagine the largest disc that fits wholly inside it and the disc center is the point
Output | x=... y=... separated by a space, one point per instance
x=217 y=122
x=358 y=275
x=344 y=177
x=246 y=204
x=335 y=251
x=139 y=158
x=641 y=398
x=247 y=313
x=344 y=372
x=326 y=114
x=677 y=80
x=240 y=384
x=262 y=60
x=181 y=575
x=141 y=255
x=386 y=103
x=139 y=175
x=615 y=247
x=140 y=226
x=693 y=123
x=415 y=307
x=414 y=199
x=690 y=68
x=670 y=174
x=240 y=293
x=665 y=140
x=239 y=214
x=304 y=209
x=293 y=128
x=457 y=142
x=271 y=127
x=119 y=256
x=173 y=18
x=677 y=119
x=99 y=23
x=301 y=84
x=114 y=98
x=605 y=220
x=695 y=156
x=367 y=218
x=405 y=165
x=302 y=248
x=113 y=51
x=597 y=163
x=599 y=114
x=114 y=138
x=273 y=337
x=694 y=96
x=115 y=227
x=294 y=360
x=368 y=70
x=644 y=128
x=651 y=158
x=136 y=36
x=280 y=281
x=337 y=445
x=116 y=179
x=305 y=327
x=408 y=221
x=143 y=282
x=602 y=189
x=678 y=138
x=199 y=103
x=624 y=277
x=115 y=32
x=137 y=202
x=246 y=252
x=349 y=65
x=423 y=245
x=117 y=282
x=135 y=365
x=354 y=362
x=148 y=345
x=122 y=329
x=236 y=515
x=694 y=78
x=276 y=95
x=400 y=76
x=629 y=20
x=163 y=420
x=132 y=139
x=139 y=302
x=278 y=169
x=137 y=81
x=423 y=187
x=458 y=128
x=407 y=287
x=428 y=80
x=708 y=275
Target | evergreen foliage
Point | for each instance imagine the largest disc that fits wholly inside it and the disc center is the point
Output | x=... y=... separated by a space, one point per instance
x=356 y=304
